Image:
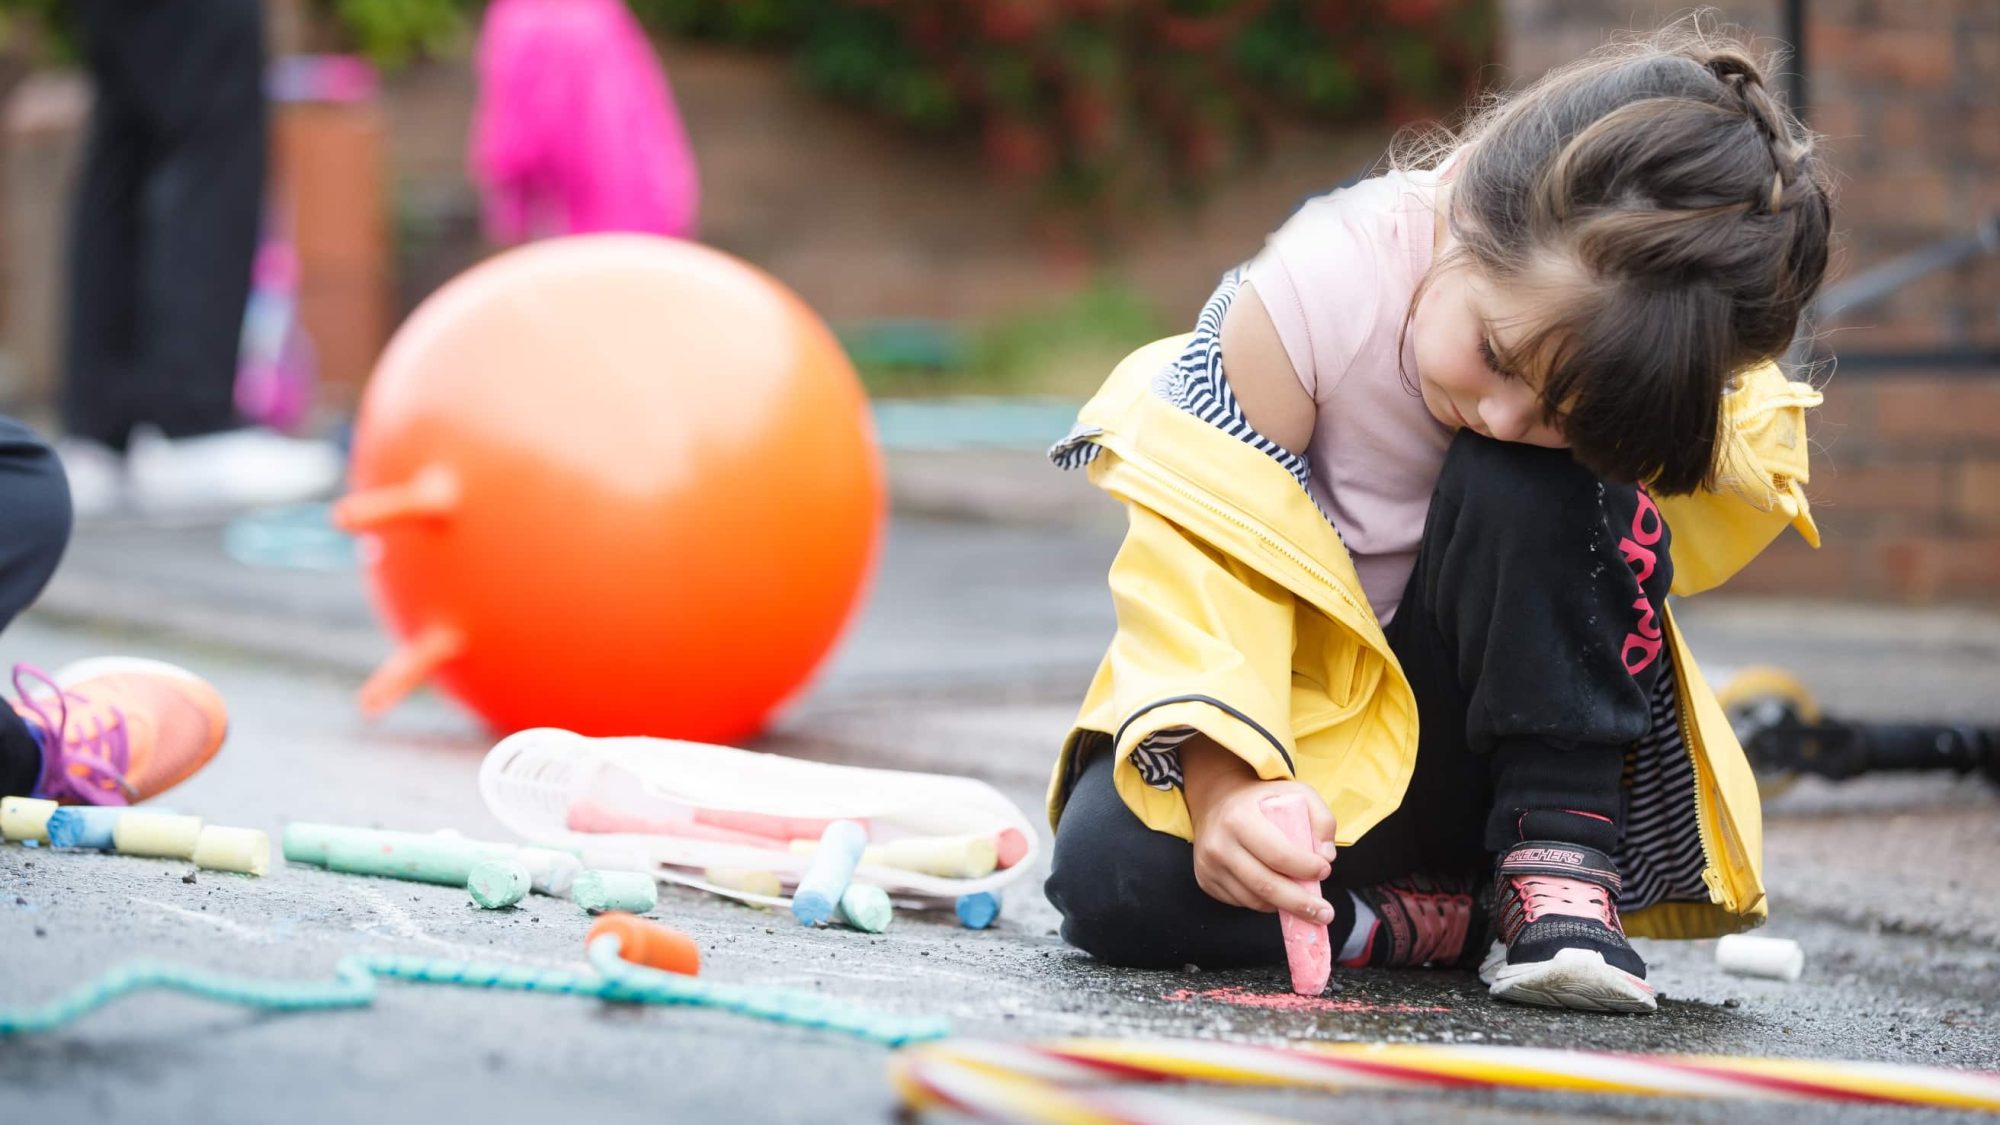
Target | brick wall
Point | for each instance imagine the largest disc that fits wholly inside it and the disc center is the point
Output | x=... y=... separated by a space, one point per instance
x=862 y=219
x=1906 y=93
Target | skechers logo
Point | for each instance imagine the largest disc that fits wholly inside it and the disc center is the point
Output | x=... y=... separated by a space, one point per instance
x=1563 y=856
x=1642 y=646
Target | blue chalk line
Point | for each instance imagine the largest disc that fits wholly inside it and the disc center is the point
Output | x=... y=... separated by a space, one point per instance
x=615 y=980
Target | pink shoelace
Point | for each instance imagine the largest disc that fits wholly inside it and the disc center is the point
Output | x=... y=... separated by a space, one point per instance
x=100 y=749
x=1542 y=895
x=1441 y=922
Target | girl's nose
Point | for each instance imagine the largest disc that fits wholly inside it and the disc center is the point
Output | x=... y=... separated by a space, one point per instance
x=1507 y=420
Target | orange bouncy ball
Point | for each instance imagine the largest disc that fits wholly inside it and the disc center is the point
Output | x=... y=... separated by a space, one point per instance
x=618 y=484
x=649 y=943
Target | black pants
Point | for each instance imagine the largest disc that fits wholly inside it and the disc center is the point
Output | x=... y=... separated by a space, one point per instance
x=1533 y=646
x=34 y=529
x=166 y=216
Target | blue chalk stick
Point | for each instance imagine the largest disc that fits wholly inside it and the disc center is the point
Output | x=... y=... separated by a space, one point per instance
x=833 y=864
x=83 y=826
x=977 y=911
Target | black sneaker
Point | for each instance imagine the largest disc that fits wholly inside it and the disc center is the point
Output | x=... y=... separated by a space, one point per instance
x=1556 y=937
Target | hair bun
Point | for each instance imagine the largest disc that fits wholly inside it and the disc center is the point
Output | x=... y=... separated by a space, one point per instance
x=1726 y=65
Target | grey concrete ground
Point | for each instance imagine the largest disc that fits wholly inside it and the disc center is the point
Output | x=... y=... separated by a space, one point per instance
x=968 y=659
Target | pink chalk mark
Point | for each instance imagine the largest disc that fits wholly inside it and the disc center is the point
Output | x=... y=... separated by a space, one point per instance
x=1285 y=1002
x=1306 y=944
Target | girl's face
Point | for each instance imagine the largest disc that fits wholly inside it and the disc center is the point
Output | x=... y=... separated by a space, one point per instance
x=1462 y=326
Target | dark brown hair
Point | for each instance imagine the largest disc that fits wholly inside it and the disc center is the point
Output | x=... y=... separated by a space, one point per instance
x=1675 y=219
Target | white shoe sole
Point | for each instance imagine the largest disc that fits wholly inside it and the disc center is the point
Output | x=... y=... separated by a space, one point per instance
x=1573 y=978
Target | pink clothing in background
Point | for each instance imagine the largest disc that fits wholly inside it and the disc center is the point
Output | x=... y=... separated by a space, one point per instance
x=1338 y=278
x=576 y=129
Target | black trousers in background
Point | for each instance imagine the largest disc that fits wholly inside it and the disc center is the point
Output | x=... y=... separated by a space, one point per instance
x=166 y=216
x=34 y=529
x=1518 y=632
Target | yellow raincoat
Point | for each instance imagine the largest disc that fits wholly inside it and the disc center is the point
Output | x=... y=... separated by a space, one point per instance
x=1240 y=615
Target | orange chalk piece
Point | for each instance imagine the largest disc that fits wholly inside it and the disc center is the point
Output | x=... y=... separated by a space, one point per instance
x=649 y=944
x=1306 y=946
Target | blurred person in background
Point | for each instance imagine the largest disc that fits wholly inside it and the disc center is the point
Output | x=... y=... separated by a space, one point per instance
x=164 y=231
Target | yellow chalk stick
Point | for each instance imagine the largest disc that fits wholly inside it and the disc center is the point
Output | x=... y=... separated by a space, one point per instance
x=161 y=835
x=748 y=880
x=947 y=857
x=245 y=851
x=25 y=818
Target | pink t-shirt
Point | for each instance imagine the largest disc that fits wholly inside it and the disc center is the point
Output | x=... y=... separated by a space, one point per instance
x=1338 y=278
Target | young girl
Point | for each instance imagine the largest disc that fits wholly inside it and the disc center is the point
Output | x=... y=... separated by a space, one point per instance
x=1400 y=514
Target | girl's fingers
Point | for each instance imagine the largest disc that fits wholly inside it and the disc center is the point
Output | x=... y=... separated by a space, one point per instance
x=1222 y=888
x=1268 y=890
x=1324 y=827
x=1275 y=850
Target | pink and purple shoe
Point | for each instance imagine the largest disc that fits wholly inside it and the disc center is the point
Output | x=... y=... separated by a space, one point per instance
x=1414 y=921
x=117 y=730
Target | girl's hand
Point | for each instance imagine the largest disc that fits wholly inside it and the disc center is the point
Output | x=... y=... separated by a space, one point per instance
x=1240 y=857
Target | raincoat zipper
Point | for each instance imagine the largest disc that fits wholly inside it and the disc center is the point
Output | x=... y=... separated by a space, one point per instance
x=1712 y=874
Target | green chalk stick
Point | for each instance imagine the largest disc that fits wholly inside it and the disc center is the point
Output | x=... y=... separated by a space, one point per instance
x=865 y=908
x=599 y=891
x=306 y=843
x=498 y=882
x=421 y=859
x=549 y=870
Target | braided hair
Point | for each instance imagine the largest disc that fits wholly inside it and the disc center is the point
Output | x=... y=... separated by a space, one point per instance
x=1671 y=217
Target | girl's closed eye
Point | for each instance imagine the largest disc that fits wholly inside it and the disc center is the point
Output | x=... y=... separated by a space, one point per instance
x=1492 y=359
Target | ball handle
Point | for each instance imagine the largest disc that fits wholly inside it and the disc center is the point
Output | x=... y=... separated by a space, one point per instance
x=409 y=666
x=432 y=493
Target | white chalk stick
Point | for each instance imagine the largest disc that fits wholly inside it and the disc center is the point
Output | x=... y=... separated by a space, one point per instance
x=245 y=851
x=26 y=818
x=550 y=872
x=161 y=835
x=1770 y=958
x=832 y=868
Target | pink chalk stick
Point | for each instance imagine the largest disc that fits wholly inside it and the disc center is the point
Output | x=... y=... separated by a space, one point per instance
x=763 y=824
x=590 y=816
x=1011 y=846
x=1306 y=944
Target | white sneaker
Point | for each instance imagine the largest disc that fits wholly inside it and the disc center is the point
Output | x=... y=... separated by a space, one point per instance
x=96 y=477
x=244 y=468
